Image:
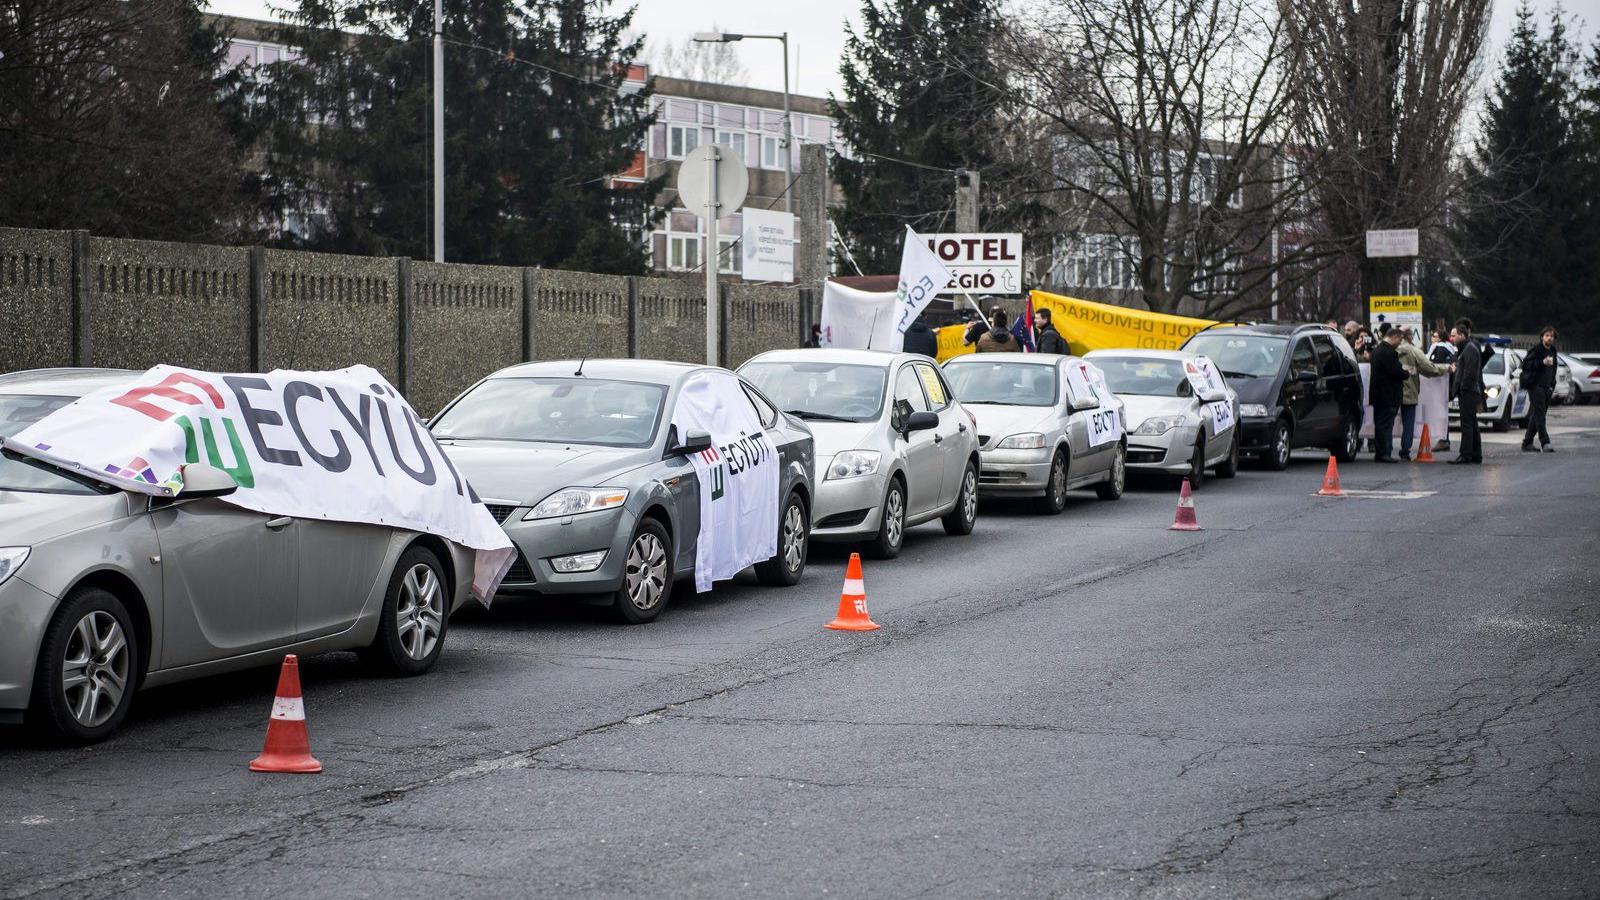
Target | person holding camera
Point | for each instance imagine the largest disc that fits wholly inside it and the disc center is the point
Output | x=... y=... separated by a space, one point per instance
x=1539 y=380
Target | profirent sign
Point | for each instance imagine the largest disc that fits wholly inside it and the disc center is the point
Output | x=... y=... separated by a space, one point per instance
x=1402 y=311
x=980 y=263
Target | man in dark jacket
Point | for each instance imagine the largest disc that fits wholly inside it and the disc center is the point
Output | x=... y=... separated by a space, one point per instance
x=1045 y=337
x=1386 y=392
x=1468 y=391
x=921 y=339
x=1539 y=380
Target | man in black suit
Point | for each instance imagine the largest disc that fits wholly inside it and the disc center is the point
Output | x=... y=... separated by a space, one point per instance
x=1386 y=392
x=1468 y=388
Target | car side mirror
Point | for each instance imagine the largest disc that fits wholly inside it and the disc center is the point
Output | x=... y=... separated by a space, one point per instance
x=1213 y=396
x=1305 y=377
x=1085 y=405
x=922 y=421
x=202 y=480
x=693 y=442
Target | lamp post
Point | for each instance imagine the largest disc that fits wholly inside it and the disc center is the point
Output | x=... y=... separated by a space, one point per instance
x=726 y=37
x=438 y=131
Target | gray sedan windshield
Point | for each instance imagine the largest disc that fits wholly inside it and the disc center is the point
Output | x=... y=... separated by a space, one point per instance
x=1144 y=377
x=18 y=473
x=1006 y=384
x=821 y=390
x=557 y=410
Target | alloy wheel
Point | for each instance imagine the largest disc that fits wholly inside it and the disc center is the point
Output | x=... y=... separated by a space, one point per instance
x=1119 y=470
x=646 y=571
x=94 y=669
x=969 y=495
x=794 y=537
x=1058 y=482
x=1280 y=445
x=419 y=617
x=895 y=510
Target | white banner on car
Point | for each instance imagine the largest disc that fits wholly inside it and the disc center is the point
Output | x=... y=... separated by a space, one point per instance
x=1204 y=378
x=738 y=477
x=922 y=276
x=342 y=446
x=859 y=320
x=1105 y=422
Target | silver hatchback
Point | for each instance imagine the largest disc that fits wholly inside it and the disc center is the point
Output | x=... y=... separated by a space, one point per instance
x=103 y=591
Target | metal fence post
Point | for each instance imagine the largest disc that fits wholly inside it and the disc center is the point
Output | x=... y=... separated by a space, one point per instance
x=528 y=294
x=258 y=309
x=633 y=316
x=402 y=296
x=82 y=300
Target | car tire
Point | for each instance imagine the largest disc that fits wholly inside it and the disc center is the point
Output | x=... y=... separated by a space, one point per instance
x=1054 y=500
x=1502 y=423
x=789 y=563
x=891 y=531
x=1112 y=487
x=963 y=517
x=1197 y=462
x=415 y=617
x=1230 y=466
x=646 y=576
x=1276 y=456
x=1350 y=443
x=92 y=635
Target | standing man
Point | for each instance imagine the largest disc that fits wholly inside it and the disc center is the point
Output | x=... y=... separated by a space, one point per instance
x=1468 y=391
x=1539 y=379
x=999 y=339
x=1387 y=392
x=1416 y=364
x=1045 y=337
x=921 y=339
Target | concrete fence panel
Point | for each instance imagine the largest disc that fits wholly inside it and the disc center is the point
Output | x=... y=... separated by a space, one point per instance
x=152 y=302
x=466 y=321
x=672 y=319
x=760 y=318
x=325 y=311
x=577 y=314
x=35 y=299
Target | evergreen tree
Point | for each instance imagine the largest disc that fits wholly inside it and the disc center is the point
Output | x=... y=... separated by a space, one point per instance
x=1524 y=209
x=921 y=98
x=535 y=124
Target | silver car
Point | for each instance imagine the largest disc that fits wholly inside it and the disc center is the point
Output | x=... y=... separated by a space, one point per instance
x=895 y=447
x=1034 y=430
x=103 y=591
x=1171 y=428
x=582 y=466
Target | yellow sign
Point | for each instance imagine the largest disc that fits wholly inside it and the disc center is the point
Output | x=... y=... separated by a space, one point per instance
x=1101 y=326
x=1405 y=304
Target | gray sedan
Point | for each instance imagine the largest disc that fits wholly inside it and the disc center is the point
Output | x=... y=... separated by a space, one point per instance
x=103 y=591
x=1171 y=429
x=1034 y=431
x=585 y=472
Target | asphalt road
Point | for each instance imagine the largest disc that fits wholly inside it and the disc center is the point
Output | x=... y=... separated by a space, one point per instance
x=1367 y=697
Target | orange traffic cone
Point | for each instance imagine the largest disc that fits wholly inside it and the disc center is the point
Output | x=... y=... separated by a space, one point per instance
x=1185 y=520
x=853 y=601
x=1426 y=453
x=288 y=747
x=1330 y=481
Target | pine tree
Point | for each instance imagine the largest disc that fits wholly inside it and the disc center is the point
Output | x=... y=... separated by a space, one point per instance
x=1524 y=206
x=920 y=99
x=536 y=122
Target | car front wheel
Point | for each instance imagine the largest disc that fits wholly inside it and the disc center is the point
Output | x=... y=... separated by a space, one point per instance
x=892 y=531
x=1277 y=455
x=416 y=612
x=785 y=568
x=1230 y=466
x=1054 y=500
x=1111 y=488
x=647 y=575
x=1197 y=463
x=960 y=520
x=88 y=667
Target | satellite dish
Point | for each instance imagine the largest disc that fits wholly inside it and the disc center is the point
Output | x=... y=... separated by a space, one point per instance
x=695 y=188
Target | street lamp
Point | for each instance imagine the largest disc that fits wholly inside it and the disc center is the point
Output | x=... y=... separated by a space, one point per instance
x=728 y=37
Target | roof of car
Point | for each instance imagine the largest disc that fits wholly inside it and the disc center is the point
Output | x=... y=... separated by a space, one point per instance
x=62 y=382
x=659 y=370
x=835 y=355
x=1177 y=355
x=1043 y=359
x=1275 y=328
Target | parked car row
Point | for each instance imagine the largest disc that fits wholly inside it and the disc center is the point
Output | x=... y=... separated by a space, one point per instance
x=104 y=591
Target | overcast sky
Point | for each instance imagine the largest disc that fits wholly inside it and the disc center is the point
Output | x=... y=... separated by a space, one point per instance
x=816 y=31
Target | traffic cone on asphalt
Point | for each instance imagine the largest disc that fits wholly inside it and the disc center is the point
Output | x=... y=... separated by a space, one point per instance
x=853 y=601
x=1426 y=453
x=1330 y=481
x=1185 y=519
x=288 y=747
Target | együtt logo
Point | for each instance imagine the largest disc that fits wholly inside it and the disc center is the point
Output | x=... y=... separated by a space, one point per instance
x=734 y=459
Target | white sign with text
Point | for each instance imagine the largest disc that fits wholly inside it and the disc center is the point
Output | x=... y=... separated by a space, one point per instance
x=980 y=263
x=768 y=245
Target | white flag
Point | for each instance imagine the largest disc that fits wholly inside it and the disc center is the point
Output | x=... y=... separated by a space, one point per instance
x=922 y=276
x=859 y=320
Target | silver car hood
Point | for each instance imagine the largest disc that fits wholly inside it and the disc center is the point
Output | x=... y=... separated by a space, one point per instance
x=829 y=438
x=27 y=517
x=1138 y=407
x=1002 y=421
x=526 y=472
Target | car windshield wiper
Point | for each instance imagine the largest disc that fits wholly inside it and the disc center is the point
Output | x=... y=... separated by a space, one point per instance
x=1239 y=374
x=818 y=416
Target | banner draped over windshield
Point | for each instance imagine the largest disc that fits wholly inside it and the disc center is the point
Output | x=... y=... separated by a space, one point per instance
x=1101 y=326
x=738 y=477
x=342 y=446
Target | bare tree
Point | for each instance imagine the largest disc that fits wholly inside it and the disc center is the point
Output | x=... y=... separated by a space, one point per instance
x=1167 y=122
x=1381 y=87
x=714 y=62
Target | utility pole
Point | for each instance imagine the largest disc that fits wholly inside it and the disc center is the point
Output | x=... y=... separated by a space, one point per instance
x=438 y=131
x=811 y=194
x=967 y=188
x=710 y=258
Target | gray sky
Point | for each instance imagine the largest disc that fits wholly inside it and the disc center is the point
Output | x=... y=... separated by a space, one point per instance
x=816 y=31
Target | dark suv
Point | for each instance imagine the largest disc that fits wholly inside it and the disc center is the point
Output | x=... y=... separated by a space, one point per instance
x=1298 y=386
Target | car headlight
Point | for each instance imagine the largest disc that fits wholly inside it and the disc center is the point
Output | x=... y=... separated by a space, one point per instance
x=575 y=500
x=1158 y=425
x=1256 y=410
x=1028 y=440
x=853 y=464
x=11 y=559
x=1494 y=391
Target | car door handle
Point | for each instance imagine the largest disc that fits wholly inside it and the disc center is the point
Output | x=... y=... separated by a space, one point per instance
x=280 y=522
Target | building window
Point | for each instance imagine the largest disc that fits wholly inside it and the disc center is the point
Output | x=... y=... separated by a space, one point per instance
x=729 y=257
x=773 y=155
x=683 y=252
x=681 y=140
x=734 y=141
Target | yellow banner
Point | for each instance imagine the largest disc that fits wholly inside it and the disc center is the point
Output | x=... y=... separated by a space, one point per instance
x=1403 y=304
x=1101 y=326
x=950 y=345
